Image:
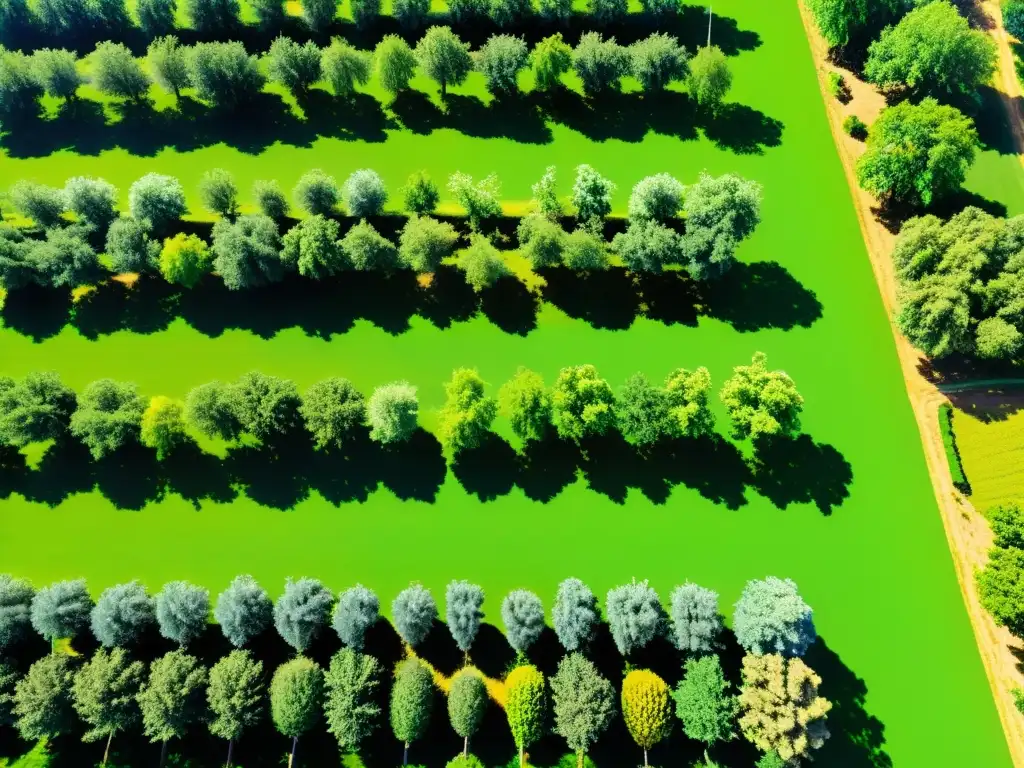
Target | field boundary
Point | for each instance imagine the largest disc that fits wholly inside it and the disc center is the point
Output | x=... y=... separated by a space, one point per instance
x=967 y=532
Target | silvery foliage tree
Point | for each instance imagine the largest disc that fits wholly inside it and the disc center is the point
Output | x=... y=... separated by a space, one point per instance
x=364 y=193
x=15 y=609
x=122 y=614
x=720 y=213
x=157 y=200
x=392 y=412
x=243 y=610
x=657 y=198
x=61 y=609
x=771 y=617
x=302 y=611
x=93 y=201
x=357 y=610
x=591 y=195
x=462 y=612
x=575 y=614
x=696 y=622
x=182 y=611
x=523 y=615
x=635 y=616
x=414 y=611
x=130 y=248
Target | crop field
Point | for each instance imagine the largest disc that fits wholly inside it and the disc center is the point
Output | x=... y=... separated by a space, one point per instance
x=989 y=429
x=847 y=512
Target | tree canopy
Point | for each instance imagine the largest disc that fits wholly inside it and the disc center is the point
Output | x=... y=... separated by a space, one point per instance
x=772 y=617
x=301 y=613
x=760 y=402
x=351 y=702
x=243 y=610
x=357 y=610
x=61 y=609
x=584 y=703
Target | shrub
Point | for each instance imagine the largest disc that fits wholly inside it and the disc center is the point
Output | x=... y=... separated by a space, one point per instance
x=115 y=72
x=956 y=468
x=316 y=193
x=109 y=415
x=836 y=85
x=855 y=127
x=395 y=64
x=185 y=259
x=500 y=60
x=93 y=201
x=421 y=194
x=482 y=264
x=218 y=192
x=480 y=199
x=247 y=252
x=364 y=193
x=600 y=63
x=424 y=242
x=44 y=205
x=157 y=200
x=367 y=250
x=57 y=72
x=294 y=66
x=1013 y=19
x=410 y=13
x=270 y=199
x=392 y=412
x=168 y=61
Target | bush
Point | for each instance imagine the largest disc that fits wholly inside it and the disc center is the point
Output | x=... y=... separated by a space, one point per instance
x=129 y=247
x=956 y=469
x=345 y=67
x=1013 y=19
x=421 y=194
x=1018 y=699
x=157 y=200
x=316 y=193
x=185 y=259
x=270 y=199
x=855 y=127
x=836 y=85
x=364 y=193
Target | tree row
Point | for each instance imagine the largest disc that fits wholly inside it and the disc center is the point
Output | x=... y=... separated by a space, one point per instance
x=778 y=707
x=249 y=251
x=225 y=75
x=108 y=415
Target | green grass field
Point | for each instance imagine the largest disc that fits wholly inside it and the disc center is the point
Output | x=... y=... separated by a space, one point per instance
x=898 y=655
x=990 y=435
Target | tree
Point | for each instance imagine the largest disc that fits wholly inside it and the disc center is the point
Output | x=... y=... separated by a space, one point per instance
x=115 y=72
x=319 y=14
x=392 y=412
x=551 y=58
x=182 y=610
x=555 y=10
x=357 y=610
x=1013 y=17
x=582 y=403
x=770 y=760
x=703 y=701
x=410 y=14
x=600 y=63
x=332 y=410
x=265 y=406
x=917 y=153
x=607 y=11
x=19 y=89
x=122 y=614
x=367 y=250
x=635 y=616
x=648 y=246
x=312 y=246
x=412 y=703
x=17 y=269
x=42 y=698
x=15 y=610
x=168 y=61
x=480 y=199
x=771 y=617
x=545 y=197
x=224 y=74
x=351 y=707
x=996 y=339
x=130 y=248
x=523 y=615
x=526 y=403
x=780 y=709
x=541 y=240
x=316 y=193
x=56 y=71
x=500 y=60
x=247 y=252
x=395 y=63
x=420 y=194
x=156 y=17
x=591 y=195
x=185 y=259
x=658 y=60
x=468 y=10
x=661 y=9
x=642 y=412
x=65 y=259
x=584 y=703
x=525 y=707
x=424 y=242
x=108 y=416
x=414 y=612
x=269 y=13
x=656 y=198
x=575 y=614
x=212 y=15
x=1007 y=524
x=689 y=407
x=44 y=205
x=463 y=612
x=365 y=11
x=761 y=403
x=709 y=79
x=467 y=703
x=444 y=57
x=721 y=212
x=157 y=200
x=301 y=613
x=270 y=199
x=243 y=610
x=219 y=193
x=105 y=695
x=466 y=416
x=645 y=708
x=35 y=409
x=163 y=426
x=364 y=193
x=173 y=699
x=507 y=12
x=296 y=696
x=1000 y=588
x=932 y=50
x=61 y=610
x=235 y=697
x=696 y=622
x=293 y=65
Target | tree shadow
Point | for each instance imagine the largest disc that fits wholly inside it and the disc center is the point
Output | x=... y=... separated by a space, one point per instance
x=547 y=467
x=751 y=297
x=414 y=470
x=711 y=466
x=992 y=122
x=130 y=477
x=603 y=298
x=742 y=129
x=487 y=471
x=800 y=471
x=38 y=313
x=510 y=305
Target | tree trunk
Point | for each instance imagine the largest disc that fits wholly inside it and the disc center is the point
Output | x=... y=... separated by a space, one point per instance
x=645 y=758
x=405 y=754
x=444 y=89
x=163 y=754
x=291 y=757
x=579 y=759
x=465 y=746
x=522 y=757
x=106 y=752
x=231 y=749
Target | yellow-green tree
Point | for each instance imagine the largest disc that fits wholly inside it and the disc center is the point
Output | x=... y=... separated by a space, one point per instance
x=163 y=425
x=185 y=259
x=645 y=708
x=524 y=706
x=780 y=709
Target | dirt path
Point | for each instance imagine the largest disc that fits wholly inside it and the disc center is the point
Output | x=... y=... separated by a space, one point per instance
x=1006 y=81
x=967 y=532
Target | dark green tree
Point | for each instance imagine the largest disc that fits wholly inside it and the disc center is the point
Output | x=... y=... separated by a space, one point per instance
x=19 y=89
x=526 y=403
x=44 y=205
x=56 y=71
x=219 y=193
x=345 y=67
x=467 y=703
x=420 y=194
x=15 y=610
x=157 y=200
x=266 y=406
x=319 y=14
x=168 y=61
x=108 y=416
x=710 y=78
x=129 y=247
x=369 y=251
x=582 y=403
x=42 y=698
x=65 y=259
x=703 y=702
x=584 y=703
x=642 y=411
x=270 y=199
x=351 y=704
x=424 y=242
x=213 y=15
x=658 y=60
x=412 y=702
x=648 y=246
x=296 y=699
x=600 y=63
x=316 y=193
x=313 y=248
x=224 y=74
x=364 y=193
x=333 y=410
x=395 y=64
x=115 y=72
x=212 y=408
x=235 y=697
x=105 y=695
x=35 y=409
x=500 y=60
x=721 y=212
x=444 y=57
x=295 y=66
x=156 y=17
x=247 y=252
x=550 y=59
x=173 y=699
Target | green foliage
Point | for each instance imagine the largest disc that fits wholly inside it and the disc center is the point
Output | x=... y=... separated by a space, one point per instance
x=720 y=213
x=15 y=610
x=607 y=11
x=468 y=10
x=296 y=696
x=541 y=240
x=1001 y=588
x=689 y=406
x=1013 y=17
x=105 y=693
x=44 y=205
x=247 y=252
x=42 y=699
x=412 y=701
x=710 y=78
x=392 y=412
x=1018 y=699
x=703 y=701
x=444 y=57
x=956 y=467
x=855 y=127
x=696 y=622
x=917 y=153
x=156 y=17
x=761 y=402
x=551 y=58
x=414 y=612
x=480 y=199
x=463 y=602
x=219 y=193
x=635 y=616
x=157 y=200
x=168 y=61
x=108 y=416
x=224 y=74
x=584 y=702
x=364 y=11
x=575 y=614
x=8 y=680
x=410 y=13
x=61 y=610
x=319 y=14
x=17 y=268
x=293 y=65
x=266 y=406
x=932 y=50
x=212 y=15
x=508 y=12
x=645 y=708
x=243 y=610
x=235 y=695
x=648 y=246
x=657 y=198
x=583 y=404
x=313 y=248
x=395 y=64
x=351 y=707
x=19 y=89
x=115 y=72
x=658 y=60
x=591 y=194
x=316 y=193
x=584 y=251
x=34 y=409
x=935 y=314
x=269 y=13
x=364 y=193
x=424 y=242
x=163 y=426
x=356 y=611
x=420 y=194
x=642 y=411
x=65 y=259
x=555 y=10
x=772 y=617
x=182 y=611
x=840 y=21
x=1007 y=523
x=270 y=199
x=525 y=706
x=467 y=702
x=333 y=410
x=130 y=248
x=344 y=67
x=500 y=60
x=185 y=259
x=56 y=71
x=526 y=403
x=174 y=698
x=301 y=613
x=523 y=615
x=600 y=63
x=368 y=250
x=771 y=760
x=996 y=339
x=481 y=263
x=122 y=614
